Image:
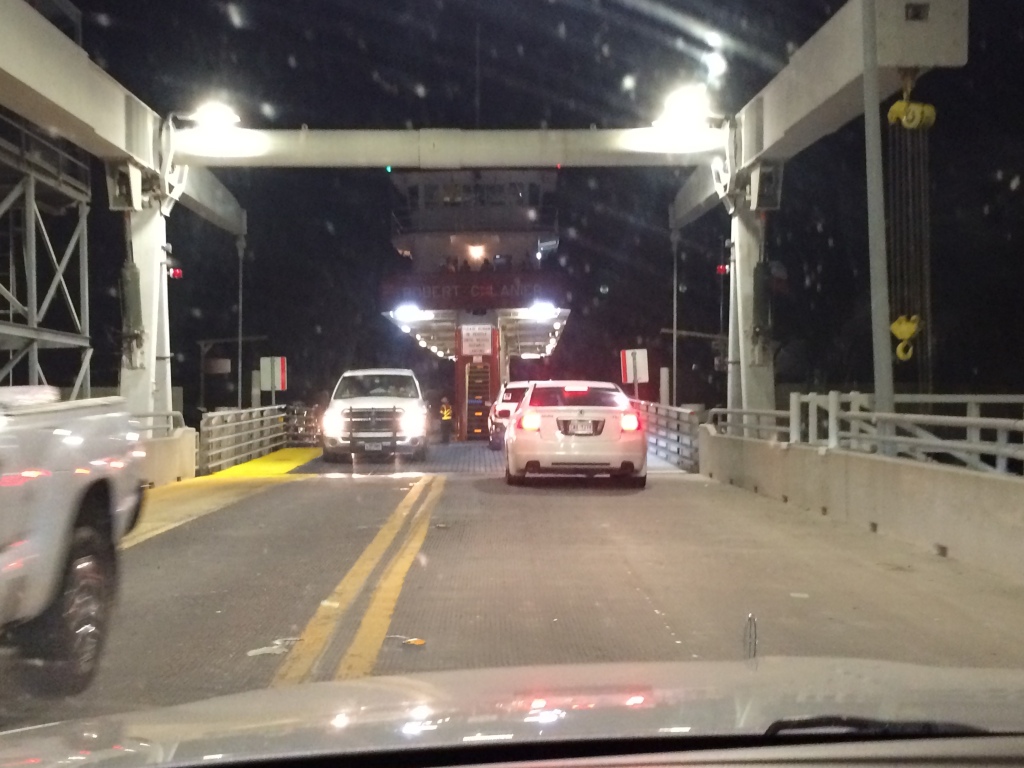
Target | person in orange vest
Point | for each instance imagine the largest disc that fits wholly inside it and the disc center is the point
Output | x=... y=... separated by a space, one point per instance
x=446 y=421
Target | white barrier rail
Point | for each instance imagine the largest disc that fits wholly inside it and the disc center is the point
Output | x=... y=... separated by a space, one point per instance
x=672 y=433
x=227 y=438
x=844 y=420
x=751 y=423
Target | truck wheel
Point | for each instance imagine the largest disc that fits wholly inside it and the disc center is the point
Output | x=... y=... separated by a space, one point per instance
x=68 y=637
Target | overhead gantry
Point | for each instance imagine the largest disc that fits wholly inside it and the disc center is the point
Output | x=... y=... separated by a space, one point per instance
x=856 y=59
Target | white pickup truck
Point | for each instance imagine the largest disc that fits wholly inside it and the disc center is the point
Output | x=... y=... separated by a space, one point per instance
x=376 y=411
x=68 y=492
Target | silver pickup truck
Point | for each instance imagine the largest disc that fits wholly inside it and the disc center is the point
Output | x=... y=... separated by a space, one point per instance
x=69 y=492
x=378 y=412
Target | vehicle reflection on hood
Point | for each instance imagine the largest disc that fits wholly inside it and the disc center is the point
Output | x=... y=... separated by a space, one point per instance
x=480 y=707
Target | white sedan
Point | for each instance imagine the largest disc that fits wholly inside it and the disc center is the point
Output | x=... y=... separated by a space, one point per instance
x=576 y=427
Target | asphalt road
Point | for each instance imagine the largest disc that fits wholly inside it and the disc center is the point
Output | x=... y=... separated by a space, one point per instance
x=343 y=574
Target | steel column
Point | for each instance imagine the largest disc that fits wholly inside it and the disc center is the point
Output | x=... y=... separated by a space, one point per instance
x=879 y=270
x=32 y=298
x=757 y=369
x=147 y=386
x=84 y=383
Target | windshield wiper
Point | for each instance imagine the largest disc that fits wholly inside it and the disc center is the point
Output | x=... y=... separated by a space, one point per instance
x=867 y=726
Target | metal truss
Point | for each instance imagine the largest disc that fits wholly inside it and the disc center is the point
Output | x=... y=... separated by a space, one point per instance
x=44 y=256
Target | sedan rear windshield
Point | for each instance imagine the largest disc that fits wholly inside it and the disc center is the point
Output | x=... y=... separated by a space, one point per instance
x=572 y=397
x=513 y=395
x=377 y=385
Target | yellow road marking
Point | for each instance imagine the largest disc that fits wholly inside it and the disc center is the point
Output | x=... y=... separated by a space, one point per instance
x=317 y=634
x=279 y=462
x=361 y=656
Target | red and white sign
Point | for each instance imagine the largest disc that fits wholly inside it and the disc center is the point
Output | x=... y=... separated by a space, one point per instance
x=274 y=374
x=634 y=366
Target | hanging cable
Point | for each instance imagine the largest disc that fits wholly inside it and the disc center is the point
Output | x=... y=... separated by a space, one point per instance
x=908 y=230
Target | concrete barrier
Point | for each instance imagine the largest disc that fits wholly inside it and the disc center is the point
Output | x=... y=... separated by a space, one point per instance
x=169 y=459
x=975 y=517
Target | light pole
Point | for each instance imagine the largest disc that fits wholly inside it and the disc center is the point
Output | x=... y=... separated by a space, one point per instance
x=675 y=318
x=240 y=245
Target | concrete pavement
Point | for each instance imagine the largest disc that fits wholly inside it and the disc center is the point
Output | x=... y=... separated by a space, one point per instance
x=340 y=575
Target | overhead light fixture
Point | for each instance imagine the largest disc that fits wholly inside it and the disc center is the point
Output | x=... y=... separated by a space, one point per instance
x=423 y=343
x=406 y=329
x=410 y=313
x=214 y=114
x=531 y=356
x=541 y=310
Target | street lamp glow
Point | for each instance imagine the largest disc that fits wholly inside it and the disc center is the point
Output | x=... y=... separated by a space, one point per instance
x=686 y=108
x=542 y=310
x=715 y=64
x=410 y=313
x=214 y=114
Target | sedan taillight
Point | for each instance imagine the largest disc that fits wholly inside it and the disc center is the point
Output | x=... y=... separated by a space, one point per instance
x=630 y=421
x=530 y=421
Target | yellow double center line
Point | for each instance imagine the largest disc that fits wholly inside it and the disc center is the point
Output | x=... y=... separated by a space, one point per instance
x=359 y=659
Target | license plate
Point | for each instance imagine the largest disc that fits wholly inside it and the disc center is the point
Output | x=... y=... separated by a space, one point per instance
x=583 y=428
x=373 y=446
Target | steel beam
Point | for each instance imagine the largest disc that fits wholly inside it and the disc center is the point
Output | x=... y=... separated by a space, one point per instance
x=47 y=79
x=821 y=89
x=447 y=148
x=43 y=337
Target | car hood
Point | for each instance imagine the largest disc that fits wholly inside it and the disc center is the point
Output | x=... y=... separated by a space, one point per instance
x=479 y=707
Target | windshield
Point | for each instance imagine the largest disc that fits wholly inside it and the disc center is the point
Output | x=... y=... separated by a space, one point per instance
x=378 y=385
x=572 y=396
x=380 y=374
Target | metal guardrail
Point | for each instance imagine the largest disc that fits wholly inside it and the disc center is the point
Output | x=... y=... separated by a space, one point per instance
x=751 y=423
x=672 y=433
x=845 y=421
x=302 y=424
x=230 y=437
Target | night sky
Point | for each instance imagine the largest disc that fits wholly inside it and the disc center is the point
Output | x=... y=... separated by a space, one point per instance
x=323 y=235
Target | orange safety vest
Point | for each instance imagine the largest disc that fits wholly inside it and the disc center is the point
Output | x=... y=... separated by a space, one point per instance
x=446 y=413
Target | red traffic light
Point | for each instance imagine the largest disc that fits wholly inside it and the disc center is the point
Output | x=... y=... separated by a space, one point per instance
x=175 y=273
x=722 y=269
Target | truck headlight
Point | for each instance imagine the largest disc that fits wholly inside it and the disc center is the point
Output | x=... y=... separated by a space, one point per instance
x=333 y=423
x=413 y=423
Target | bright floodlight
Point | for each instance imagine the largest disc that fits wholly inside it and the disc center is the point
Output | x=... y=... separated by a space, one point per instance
x=410 y=313
x=542 y=310
x=476 y=251
x=215 y=114
x=686 y=107
x=715 y=64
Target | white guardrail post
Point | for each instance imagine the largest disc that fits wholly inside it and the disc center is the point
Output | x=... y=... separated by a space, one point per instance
x=833 y=419
x=795 y=428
